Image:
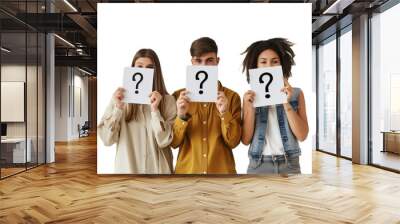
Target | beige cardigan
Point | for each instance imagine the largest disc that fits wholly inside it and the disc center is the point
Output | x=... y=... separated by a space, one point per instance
x=142 y=145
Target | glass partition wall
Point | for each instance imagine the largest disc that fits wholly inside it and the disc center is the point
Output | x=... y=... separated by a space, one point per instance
x=334 y=80
x=22 y=77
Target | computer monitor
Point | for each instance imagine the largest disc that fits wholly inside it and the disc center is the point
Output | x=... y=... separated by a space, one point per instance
x=3 y=129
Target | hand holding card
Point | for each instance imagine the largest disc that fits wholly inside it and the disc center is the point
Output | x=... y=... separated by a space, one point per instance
x=268 y=84
x=138 y=84
x=202 y=83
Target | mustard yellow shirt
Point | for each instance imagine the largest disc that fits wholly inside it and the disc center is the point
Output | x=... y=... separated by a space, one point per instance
x=206 y=138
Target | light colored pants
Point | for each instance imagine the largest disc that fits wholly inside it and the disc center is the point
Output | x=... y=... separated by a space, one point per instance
x=274 y=165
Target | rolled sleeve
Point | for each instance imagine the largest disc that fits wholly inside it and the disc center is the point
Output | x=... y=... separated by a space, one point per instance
x=226 y=118
x=179 y=131
x=110 y=126
x=162 y=127
x=231 y=123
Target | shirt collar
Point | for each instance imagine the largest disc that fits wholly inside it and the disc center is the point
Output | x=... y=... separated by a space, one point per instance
x=220 y=87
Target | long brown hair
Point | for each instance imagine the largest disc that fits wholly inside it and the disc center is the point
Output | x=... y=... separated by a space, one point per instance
x=131 y=110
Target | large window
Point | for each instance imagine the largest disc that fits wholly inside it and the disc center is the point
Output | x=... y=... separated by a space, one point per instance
x=335 y=74
x=345 y=92
x=385 y=89
x=327 y=95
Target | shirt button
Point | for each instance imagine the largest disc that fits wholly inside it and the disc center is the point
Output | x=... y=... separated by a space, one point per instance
x=204 y=139
x=204 y=105
x=204 y=155
x=204 y=122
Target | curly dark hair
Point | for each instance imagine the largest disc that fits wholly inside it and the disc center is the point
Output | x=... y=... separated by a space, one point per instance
x=281 y=46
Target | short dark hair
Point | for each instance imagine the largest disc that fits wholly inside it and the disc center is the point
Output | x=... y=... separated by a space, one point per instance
x=281 y=46
x=202 y=46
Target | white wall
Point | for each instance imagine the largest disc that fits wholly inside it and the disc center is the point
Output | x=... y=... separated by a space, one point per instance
x=61 y=103
x=80 y=84
x=12 y=73
x=68 y=80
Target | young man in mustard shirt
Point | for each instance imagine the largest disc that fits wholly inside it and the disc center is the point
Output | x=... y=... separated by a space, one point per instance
x=206 y=133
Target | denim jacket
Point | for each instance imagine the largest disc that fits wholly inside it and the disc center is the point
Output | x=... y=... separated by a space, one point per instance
x=289 y=141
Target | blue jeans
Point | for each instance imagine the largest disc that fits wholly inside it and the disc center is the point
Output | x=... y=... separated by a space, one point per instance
x=275 y=165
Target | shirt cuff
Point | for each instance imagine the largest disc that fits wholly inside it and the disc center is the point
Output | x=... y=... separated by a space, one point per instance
x=181 y=124
x=117 y=113
x=226 y=118
x=156 y=114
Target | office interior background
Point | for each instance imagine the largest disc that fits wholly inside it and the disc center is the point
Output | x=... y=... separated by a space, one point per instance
x=357 y=84
x=40 y=70
x=48 y=57
x=48 y=87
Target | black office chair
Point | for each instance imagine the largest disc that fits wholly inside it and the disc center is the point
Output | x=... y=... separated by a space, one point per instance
x=84 y=130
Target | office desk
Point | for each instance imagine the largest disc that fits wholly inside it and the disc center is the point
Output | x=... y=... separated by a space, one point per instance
x=13 y=150
x=391 y=141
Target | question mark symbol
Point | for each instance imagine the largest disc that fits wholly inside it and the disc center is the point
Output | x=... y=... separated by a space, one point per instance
x=268 y=83
x=202 y=82
x=137 y=84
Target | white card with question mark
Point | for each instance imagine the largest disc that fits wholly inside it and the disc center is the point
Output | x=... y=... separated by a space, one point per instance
x=138 y=84
x=267 y=84
x=202 y=83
